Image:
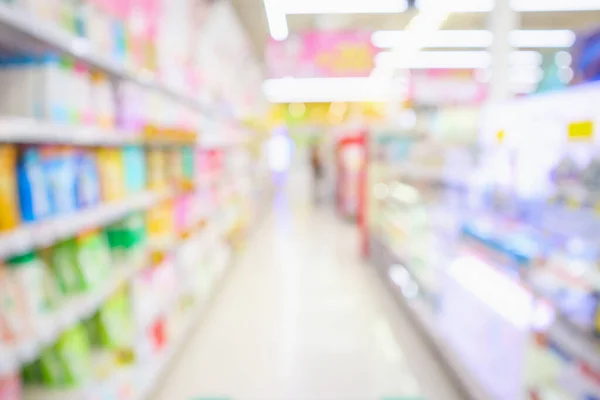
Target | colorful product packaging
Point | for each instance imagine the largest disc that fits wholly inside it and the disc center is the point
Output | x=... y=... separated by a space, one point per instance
x=63 y=261
x=32 y=277
x=33 y=186
x=157 y=166
x=11 y=387
x=68 y=363
x=61 y=172
x=9 y=204
x=134 y=158
x=14 y=324
x=112 y=175
x=93 y=258
x=114 y=322
x=87 y=179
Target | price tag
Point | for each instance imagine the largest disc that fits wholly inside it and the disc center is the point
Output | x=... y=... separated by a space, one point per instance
x=581 y=131
x=500 y=136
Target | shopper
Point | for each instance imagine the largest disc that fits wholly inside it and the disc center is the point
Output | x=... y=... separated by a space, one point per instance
x=317 y=169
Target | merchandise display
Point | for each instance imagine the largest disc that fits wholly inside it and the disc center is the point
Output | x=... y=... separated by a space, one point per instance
x=509 y=294
x=112 y=238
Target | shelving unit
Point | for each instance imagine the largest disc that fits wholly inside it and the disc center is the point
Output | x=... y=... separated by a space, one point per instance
x=553 y=327
x=44 y=233
x=26 y=131
x=168 y=137
x=75 y=310
x=20 y=30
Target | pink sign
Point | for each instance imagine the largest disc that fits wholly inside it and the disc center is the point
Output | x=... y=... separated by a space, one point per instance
x=321 y=54
x=446 y=86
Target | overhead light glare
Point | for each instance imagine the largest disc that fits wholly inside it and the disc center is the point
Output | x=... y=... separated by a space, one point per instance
x=458 y=6
x=276 y=20
x=477 y=59
x=561 y=38
x=344 y=6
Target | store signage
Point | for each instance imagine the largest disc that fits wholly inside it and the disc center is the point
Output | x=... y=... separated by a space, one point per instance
x=446 y=87
x=581 y=131
x=321 y=55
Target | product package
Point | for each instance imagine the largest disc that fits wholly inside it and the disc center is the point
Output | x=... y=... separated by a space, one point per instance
x=69 y=362
x=33 y=186
x=87 y=179
x=38 y=287
x=134 y=159
x=93 y=258
x=112 y=175
x=9 y=201
x=60 y=169
x=14 y=322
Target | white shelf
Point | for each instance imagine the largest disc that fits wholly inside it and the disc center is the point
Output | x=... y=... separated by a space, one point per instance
x=22 y=130
x=75 y=310
x=151 y=373
x=27 y=131
x=45 y=233
x=21 y=30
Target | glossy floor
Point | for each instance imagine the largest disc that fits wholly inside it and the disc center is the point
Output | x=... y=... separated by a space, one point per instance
x=301 y=317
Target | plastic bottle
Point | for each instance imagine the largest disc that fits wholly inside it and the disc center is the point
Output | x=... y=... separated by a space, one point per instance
x=33 y=186
x=9 y=200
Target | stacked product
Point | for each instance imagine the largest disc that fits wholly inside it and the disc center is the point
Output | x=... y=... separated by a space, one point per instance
x=517 y=297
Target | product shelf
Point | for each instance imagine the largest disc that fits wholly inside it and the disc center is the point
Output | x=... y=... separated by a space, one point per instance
x=148 y=373
x=21 y=30
x=28 y=131
x=76 y=309
x=45 y=233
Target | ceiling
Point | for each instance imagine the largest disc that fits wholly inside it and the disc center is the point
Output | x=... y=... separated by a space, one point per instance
x=253 y=17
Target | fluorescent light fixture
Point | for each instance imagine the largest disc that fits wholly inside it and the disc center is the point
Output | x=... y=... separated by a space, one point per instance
x=441 y=39
x=422 y=29
x=344 y=6
x=455 y=59
x=478 y=39
x=526 y=75
x=276 y=19
x=324 y=90
x=555 y=5
x=559 y=38
x=524 y=5
x=525 y=57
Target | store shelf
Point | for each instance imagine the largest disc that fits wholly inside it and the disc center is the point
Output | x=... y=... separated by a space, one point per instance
x=20 y=30
x=148 y=374
x=75 y=310
x=27 y=131
x=45 y=233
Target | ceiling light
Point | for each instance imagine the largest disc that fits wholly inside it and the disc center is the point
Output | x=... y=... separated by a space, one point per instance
x=555 y=5
x=526 y=57
x=324 y=90
x=438 y=59
x=559 y=38
x=526 y=75
x=477 y=59
x=441 y=39
x=422 y=30
x=478 y=39
x=344 y=6
x=276 y=19
x=525 y=5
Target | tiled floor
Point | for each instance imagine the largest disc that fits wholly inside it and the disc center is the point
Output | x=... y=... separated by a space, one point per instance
x=301 y=317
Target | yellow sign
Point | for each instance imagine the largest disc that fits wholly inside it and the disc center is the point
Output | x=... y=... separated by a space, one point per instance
x=500 y=136
x=583 y=130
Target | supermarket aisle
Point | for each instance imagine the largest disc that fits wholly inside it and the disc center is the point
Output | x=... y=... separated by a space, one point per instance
x=302 y=318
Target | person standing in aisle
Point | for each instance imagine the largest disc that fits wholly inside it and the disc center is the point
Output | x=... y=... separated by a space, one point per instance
x=317 y=170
